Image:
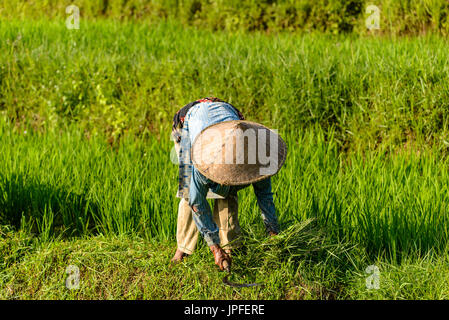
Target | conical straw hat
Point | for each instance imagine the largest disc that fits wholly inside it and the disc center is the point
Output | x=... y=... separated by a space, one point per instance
x=238 y=152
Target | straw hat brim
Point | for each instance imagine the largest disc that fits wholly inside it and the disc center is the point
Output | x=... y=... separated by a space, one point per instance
x=208 y=147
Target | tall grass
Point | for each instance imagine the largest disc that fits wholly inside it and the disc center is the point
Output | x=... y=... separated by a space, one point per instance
x=116 y=78
x=62 y=183
x=55 y=183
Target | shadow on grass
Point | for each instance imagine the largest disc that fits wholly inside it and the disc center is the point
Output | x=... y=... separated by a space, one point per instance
x=43 y=209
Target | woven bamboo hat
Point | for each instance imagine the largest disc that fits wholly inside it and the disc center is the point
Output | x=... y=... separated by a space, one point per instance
x=238 y=152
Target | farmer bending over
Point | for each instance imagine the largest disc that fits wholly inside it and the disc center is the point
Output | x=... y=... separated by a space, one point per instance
x=217 y=165
x=225 y=212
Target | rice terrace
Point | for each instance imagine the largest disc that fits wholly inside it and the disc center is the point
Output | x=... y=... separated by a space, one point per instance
x=89 y=173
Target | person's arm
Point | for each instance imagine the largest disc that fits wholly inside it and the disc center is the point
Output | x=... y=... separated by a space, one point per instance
x=201 y=210
x=262 y=189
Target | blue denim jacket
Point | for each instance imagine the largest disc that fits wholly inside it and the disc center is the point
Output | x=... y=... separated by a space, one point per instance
x=198 y=118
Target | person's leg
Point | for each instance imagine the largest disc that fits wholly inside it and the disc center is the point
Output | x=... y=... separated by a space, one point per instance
x=262 y=189
x=186 y=231
x=202 y=216
x=226 y=218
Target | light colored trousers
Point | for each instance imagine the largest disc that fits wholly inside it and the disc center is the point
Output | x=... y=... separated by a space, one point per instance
x=225 y=215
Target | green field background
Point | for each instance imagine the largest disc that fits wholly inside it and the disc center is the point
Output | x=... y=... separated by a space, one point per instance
x=115 y=79
x=86 y=175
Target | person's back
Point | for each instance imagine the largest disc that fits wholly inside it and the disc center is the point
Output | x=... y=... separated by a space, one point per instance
x=204 y=115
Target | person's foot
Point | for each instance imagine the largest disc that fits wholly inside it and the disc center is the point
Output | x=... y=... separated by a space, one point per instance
x=179 y=255
x=222 y=259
